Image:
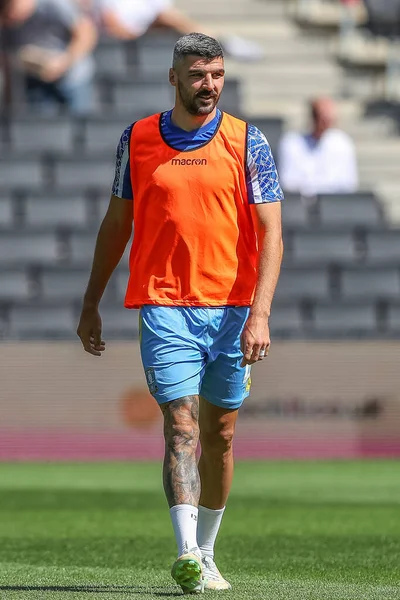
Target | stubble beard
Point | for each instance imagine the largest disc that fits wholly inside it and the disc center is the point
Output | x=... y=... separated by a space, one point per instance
x=193 y=103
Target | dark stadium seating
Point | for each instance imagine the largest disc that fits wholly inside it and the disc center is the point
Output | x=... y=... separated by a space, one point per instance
x=42 y=321
x=85 y=171
x=14 y=284
x=394 y=318
x=316 y=246
x=63 y=283
x=286 y=320
x=6 y=210
x=119 y=322
x=21 y=170
x=24 y=248
x=349 y=210
x=303 y=282
x=335 y=319
x=81 y=247
x=48 y=135
x=101 y=134
x=111 y=58
x=151 y=95
x=53 y=210
x=383 y=245
x=294 y=211
x=367 y=282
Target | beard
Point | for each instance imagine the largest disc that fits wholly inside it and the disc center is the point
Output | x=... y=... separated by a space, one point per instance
x=203 y=103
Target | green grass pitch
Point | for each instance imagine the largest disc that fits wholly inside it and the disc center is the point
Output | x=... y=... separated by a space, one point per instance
x=292 y=531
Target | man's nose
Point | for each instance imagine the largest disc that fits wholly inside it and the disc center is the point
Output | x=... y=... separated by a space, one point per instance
x=208 y=82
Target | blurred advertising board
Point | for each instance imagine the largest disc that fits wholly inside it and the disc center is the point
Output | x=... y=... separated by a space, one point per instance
x=308 y=400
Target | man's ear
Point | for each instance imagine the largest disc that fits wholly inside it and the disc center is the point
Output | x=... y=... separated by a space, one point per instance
x=172 y=77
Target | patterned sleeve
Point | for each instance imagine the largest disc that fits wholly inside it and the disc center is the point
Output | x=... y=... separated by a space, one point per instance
x=122 y=187
x=261 y=176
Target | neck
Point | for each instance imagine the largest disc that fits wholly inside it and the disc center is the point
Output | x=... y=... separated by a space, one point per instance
x=184 y=120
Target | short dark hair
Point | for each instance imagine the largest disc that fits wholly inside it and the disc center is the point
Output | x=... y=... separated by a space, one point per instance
x=198 y=44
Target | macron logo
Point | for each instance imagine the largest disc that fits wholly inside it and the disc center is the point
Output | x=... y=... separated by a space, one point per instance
x=198 y=162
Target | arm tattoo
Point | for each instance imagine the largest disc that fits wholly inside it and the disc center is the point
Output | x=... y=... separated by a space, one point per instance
x=181 y=432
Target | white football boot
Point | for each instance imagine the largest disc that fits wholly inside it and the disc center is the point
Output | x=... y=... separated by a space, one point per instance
x=212 y=577
x=187 y=571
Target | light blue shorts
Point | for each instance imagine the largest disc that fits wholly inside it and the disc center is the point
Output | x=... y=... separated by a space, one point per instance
x=194 y=350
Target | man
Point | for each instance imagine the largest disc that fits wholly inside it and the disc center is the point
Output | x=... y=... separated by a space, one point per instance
x=322 y=162
x=51 y=42
x=204 y=265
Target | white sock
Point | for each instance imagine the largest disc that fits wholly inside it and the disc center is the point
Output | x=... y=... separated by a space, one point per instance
x=207 y=529
x=184 y=521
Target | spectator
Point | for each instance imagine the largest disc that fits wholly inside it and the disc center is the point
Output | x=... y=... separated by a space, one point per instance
x=322 y=161
x=51 y=42
x=129 y=19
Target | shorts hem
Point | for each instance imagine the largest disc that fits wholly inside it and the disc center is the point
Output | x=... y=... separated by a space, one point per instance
x=233 y=405
x=164 y=398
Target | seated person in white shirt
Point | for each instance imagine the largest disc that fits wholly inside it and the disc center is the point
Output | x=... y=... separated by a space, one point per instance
x=321 y=162
x=129 y=19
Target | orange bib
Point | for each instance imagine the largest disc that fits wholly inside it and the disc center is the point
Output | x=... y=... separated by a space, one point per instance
x=194 y=243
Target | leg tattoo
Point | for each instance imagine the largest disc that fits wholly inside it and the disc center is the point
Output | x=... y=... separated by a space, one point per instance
x=181 y=432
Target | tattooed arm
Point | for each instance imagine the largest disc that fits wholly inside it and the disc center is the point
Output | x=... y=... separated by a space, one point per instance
x=181 y=432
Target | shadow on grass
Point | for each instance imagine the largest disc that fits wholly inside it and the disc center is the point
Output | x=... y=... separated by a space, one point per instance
x=96 y=589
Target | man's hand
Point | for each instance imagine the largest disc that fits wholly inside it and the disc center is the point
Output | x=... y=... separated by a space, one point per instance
x=89 y=330
x=55 y=68
x=255 y=340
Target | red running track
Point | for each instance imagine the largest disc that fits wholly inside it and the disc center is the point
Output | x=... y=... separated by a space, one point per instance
x=67 y=446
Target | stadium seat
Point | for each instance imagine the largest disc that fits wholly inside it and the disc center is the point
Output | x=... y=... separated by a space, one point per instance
x=383 y=245
x=65 y=283
x=324 y=246
x=231 y=100
x=82 y=247
x=18 y=247
x=111 y=58
x=294 y=211
x=68 y=209
x=85 y=172
x=344 y=319
x=119 y=322
x=286 y=320
x=104 y=135
x=394 y=318
x=21 y=171
x=154 y=52
x=121 y=281
x=31 y=321
x=382 y=282
x=295 y=283
x=14 y=285
x=272 y=128
x=148 y=96
x=6 y=211
x=349 y=210
x=42 y=134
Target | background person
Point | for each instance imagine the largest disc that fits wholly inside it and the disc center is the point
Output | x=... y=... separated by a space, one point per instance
x=51 y=42
x=322 y=161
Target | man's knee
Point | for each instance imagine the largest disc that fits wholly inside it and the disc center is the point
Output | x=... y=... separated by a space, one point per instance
x=217 y=438
x=181 y=425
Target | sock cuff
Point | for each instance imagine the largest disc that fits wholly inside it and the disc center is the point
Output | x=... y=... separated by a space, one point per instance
x=211 y=511
x=187 y=507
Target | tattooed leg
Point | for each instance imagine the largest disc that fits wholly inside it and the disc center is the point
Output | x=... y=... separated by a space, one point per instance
x=181 y=433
